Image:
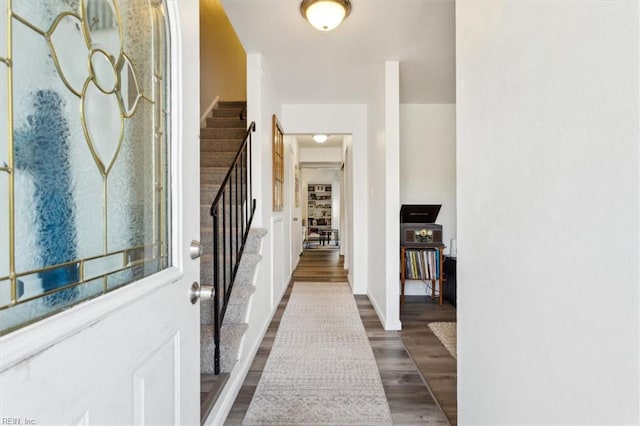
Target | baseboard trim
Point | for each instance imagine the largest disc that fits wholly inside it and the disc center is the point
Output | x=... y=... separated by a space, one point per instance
x=393 y=325
x=214 y=105
x=388 y=325
x=379 y=311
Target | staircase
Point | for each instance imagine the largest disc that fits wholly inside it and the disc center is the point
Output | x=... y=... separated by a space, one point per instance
x=234 y=324
x=220 y=141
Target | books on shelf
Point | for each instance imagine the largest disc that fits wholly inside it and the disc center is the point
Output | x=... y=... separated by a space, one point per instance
x=319 y=187
x=319 y=206
x=422 y=264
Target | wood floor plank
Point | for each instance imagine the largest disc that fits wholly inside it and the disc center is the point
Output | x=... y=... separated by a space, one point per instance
x=435 y=363
x=320 y=265
x=409 y=399
x=211 y=386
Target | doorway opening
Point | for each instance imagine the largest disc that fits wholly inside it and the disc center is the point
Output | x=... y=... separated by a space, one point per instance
x=320 y=191
x=321 y=208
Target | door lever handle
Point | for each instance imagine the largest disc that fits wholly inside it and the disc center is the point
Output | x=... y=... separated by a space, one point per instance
x=203 y=293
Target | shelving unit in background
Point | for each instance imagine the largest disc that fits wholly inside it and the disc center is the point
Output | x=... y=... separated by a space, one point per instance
x=422 y=262
x=318 y=210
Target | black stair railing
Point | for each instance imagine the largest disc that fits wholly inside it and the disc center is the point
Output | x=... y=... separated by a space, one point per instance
x=232 y=212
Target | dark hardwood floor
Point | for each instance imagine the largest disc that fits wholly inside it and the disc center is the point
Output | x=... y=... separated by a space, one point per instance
x=437 y=366
x=211 y=386
x=320 y=265
x=410 y=401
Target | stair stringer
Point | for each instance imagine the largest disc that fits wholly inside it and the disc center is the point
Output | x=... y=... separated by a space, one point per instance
x=234 y=324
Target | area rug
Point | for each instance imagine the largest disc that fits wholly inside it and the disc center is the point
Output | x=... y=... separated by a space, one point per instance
x=321 y=369
x=446 y=332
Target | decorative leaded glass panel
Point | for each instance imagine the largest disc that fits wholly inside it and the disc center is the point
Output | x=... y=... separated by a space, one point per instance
x=83 y=151
x=3 y=33
x=4 y=175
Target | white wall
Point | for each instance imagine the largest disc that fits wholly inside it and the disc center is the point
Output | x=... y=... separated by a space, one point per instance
x=347 y=204
x=428 y=166
x=321 y=154
x=384 y=199
x=275 y=266
x=548 y=212
x=295 y=211
x=392 y=191
x=223 y=62
x=349 y=120
x=275 y=269
x=375 y=190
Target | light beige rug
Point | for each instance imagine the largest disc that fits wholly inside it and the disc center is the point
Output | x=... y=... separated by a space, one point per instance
x=321 y=369
x=446 y=332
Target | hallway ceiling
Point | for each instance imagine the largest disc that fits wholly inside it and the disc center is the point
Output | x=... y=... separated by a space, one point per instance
x=346 y=65
x=306 y=141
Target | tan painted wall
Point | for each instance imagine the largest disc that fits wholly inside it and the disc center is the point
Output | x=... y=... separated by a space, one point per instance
x=223 y=61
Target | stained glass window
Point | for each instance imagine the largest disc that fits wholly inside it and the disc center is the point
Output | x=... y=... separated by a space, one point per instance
x=83 y=151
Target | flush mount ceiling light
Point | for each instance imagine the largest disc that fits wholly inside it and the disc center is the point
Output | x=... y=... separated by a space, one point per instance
x=325 y=15
x=320 y=138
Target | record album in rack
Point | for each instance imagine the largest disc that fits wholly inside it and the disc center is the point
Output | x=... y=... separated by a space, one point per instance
x=421 y=247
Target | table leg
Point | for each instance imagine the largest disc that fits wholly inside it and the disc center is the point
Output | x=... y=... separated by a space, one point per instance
x=433 y=289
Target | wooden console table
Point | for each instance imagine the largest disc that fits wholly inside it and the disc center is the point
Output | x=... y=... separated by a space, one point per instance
x=440 y=259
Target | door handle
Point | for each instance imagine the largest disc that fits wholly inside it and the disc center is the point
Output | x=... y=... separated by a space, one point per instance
x=195 y=249
x=203 y=293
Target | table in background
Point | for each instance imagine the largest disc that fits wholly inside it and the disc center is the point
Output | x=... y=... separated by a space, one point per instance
x=329 y=235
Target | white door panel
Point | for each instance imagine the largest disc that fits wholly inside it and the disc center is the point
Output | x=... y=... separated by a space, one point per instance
x=124 y=369
x=156 y=385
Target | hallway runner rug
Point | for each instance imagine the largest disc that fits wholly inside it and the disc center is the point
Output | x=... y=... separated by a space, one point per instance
x=321 y=369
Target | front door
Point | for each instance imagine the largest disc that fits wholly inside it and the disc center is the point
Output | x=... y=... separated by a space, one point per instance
x=99 y=204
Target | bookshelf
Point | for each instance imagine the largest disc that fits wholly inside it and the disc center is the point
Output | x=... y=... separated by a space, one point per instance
x=422 y=262
x=318 y=209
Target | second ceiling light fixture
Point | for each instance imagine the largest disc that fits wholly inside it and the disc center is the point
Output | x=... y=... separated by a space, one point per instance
x=325 y=15
x=320 y=138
